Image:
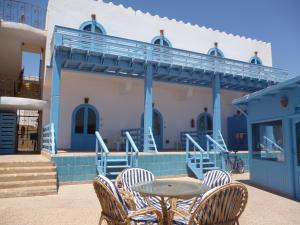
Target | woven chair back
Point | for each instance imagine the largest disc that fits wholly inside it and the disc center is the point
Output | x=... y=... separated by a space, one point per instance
x=111 y=203
x=222 y=205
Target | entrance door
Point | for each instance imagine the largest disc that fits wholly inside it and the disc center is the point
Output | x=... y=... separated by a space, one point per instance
x=85 y=121
x=157 y=128
x=297 y=156
x=28 y=124
x=204 y=126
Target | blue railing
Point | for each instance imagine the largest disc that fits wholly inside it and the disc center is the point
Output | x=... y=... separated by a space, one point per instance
x=137 y=135
x=101 y=156
x=198 y=136
x=23 y=12
x=132 y=151
x=49 y=139
x=217 y=148
x=92 y=42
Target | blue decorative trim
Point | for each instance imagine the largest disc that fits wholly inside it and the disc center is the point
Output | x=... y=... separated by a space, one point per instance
x=210 y=52
x=255 y=60
x=94 y=24
x=74 y=137
x=161 y=38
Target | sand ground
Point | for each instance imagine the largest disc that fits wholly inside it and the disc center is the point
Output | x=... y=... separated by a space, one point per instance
x=78 y=205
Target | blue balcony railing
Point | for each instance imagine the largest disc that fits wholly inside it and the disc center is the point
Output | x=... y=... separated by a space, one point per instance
x=91 y=42
x=23 y=12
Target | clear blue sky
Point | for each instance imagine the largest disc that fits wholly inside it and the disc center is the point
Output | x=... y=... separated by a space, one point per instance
x=275 y=21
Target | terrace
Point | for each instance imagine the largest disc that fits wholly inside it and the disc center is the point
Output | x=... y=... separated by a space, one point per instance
x=74 y=49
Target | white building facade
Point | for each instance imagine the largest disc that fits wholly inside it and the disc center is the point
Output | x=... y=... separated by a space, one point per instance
x=118 y=102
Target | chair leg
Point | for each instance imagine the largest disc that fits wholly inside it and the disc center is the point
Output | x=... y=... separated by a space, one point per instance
x=101 y=220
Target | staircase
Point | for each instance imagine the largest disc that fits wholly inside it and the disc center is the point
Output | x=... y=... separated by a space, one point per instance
x=110 y=166
x=22 y=179
x=198 y=160
x=151 y=141
x=30 y=89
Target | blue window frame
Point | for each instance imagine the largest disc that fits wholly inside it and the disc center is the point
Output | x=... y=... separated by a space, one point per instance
x=92 y=26
x=162 y=41
x=255 y=60
x=215 y=52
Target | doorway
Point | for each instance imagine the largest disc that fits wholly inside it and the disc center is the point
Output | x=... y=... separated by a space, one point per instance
x=297 y=156
x=85 y=121
x=27 y=131
x=157 y=128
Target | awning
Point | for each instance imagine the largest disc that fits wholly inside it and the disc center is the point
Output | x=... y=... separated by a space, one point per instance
x=21 y=103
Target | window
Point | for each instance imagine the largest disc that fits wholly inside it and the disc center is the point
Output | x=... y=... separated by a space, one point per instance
x=91 y=121
x=298 y=142
x=162 y=41
x=216 y=52
x=267 y=141
x=255 y=60
x=79 y=121
x=93 y=26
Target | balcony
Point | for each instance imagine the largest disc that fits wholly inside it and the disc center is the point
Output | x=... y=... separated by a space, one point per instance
x=116 y=56
x=22 y=12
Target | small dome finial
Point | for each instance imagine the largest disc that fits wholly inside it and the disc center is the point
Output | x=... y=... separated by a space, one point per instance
x=161 y=32
x=216 y=44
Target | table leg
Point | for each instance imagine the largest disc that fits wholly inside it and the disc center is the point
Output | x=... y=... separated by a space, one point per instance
x=164 y=210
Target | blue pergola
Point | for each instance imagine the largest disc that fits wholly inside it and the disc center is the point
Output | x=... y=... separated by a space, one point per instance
x=74 y=49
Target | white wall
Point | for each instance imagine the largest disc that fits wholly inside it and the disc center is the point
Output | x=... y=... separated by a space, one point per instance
x=127 y=23
x=119 y=102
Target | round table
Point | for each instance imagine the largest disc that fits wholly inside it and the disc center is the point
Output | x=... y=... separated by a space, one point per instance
x=178 y=189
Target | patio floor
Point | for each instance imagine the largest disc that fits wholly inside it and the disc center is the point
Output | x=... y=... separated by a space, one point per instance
x=78 y=205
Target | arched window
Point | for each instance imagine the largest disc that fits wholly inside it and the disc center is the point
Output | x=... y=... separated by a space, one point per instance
x=255 y=60
x=92 y=26
x=216 y=52
x=162 y=41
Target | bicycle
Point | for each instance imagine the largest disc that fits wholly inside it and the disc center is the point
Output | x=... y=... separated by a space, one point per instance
x=236 y=164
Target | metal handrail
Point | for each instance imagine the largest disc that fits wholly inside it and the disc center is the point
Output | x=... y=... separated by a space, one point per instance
x=152 y=138
x=273 y=143
x=94 y=42
x=104 y=152
x=23 y=12
x=217 y=147
x=48 y=140
x=196 y=149
x=132 y=150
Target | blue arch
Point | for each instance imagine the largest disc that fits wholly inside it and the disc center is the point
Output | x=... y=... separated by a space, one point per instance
x=161 y=38
x=88 y=140
x=94 y=24
x=217 y=50
x=159 y=139
x=255 y=60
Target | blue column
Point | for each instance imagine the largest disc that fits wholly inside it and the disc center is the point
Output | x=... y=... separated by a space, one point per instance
x=216 y=89
x=55 y=95
x=216 y=92
x=148 y=99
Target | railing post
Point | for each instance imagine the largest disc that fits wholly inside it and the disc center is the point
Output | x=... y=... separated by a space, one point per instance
x=127 y=146
x=187 y=147
x=52 y=133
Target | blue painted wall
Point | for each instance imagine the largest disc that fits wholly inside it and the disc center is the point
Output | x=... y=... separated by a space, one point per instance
x=278 y=176
x=82 y=168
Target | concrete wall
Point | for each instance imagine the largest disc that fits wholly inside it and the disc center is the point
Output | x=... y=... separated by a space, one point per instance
x=120 y=103
x=137 y=25
x=278 y=176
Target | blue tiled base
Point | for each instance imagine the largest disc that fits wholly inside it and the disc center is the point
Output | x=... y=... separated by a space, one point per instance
x=82 y=168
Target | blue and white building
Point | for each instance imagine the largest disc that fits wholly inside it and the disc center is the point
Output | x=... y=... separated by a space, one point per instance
x=274 y=136
x=112 y=69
